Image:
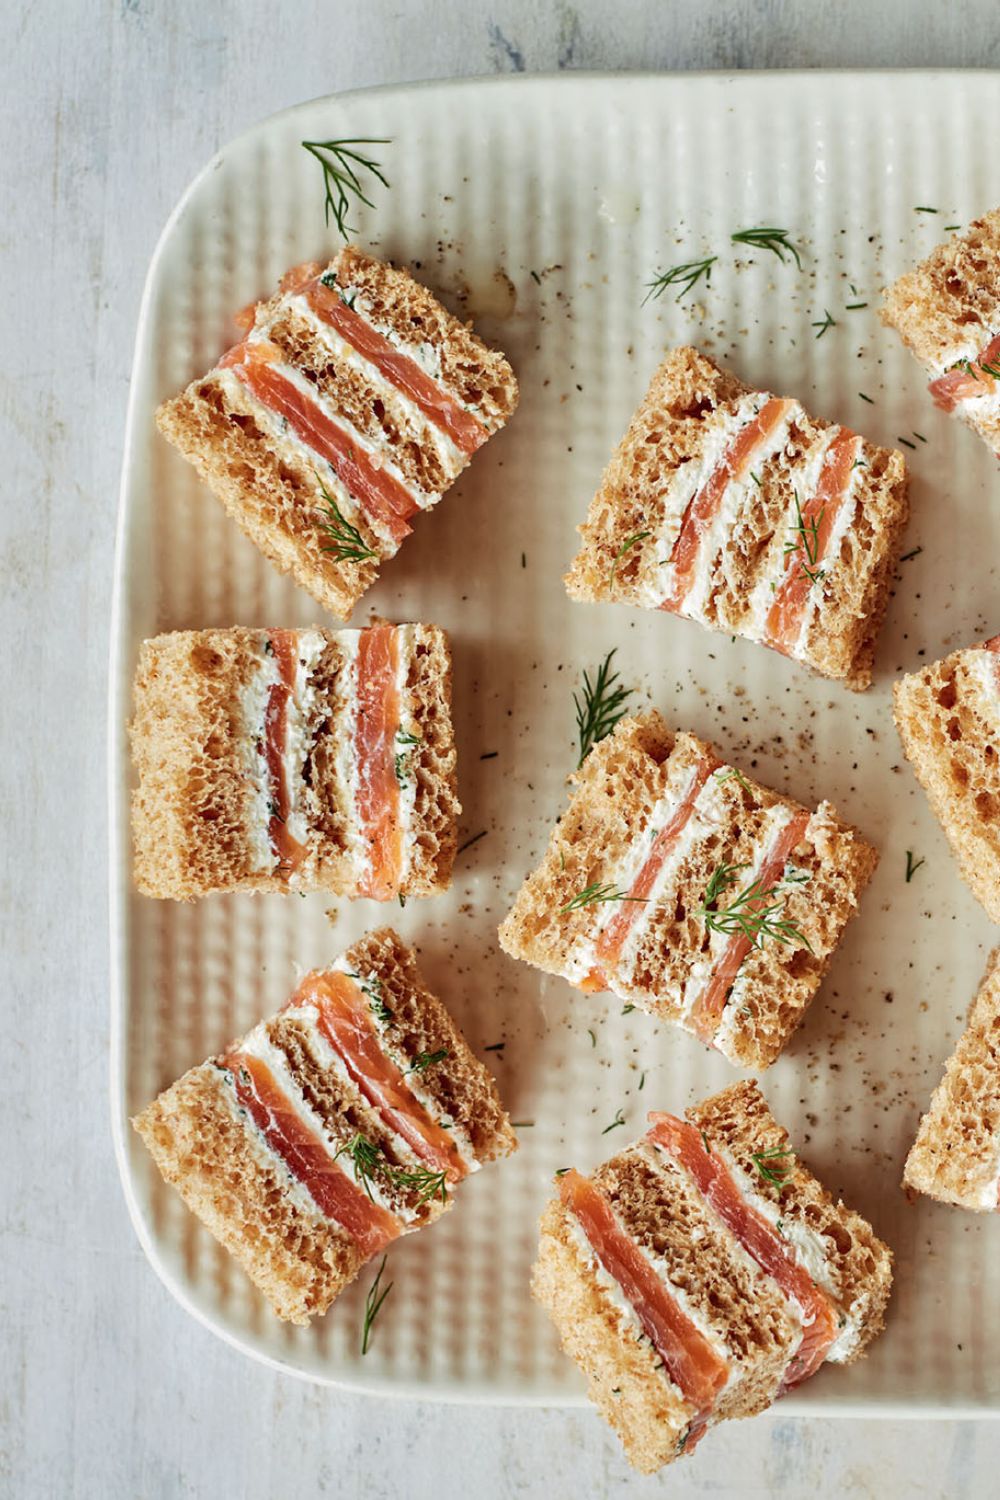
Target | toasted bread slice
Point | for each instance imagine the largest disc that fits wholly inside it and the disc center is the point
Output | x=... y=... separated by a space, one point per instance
x=703 y=1271
x=660 y=840
x=956 y=1155
x=323 y=1134
x=302 y=760
x=353 y=402
x=947 y=312
x=740 y=510
x=948 y=717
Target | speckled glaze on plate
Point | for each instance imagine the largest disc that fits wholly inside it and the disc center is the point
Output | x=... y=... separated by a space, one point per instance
x=541 y=208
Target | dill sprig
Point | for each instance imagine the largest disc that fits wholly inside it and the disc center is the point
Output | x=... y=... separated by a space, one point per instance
x=808 y=541
x=730 y=774
x=370 y=1162
x=373 y=1305
x=632 y=541
x=619 y=1119
x=342 y=169
x=686 y=276
x=425 y=1060
x=912 y=865
x=372 y=988
x=754 y=911
x=348 y=543
x=593 y=895
x=407 y=741
x=600 y=706
x=777 y=1175
x=766 y=237
x=824 y=323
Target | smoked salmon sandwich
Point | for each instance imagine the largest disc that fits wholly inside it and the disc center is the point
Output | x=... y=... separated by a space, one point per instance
x=348 y=1119
x=351 y=403
x=691 y=891
x=738 y=509
x=275 y=760
x=702 y=1272
x=948 y=717
x=947 y=312
x=956 y=1155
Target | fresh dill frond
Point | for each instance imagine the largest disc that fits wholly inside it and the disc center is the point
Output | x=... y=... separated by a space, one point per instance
x=373 y=1305
x=425 y=1060
x=474 y=840
x=600 y=706
x=807 y=541
x=593 y=895
x=731 y=774
x=824 y=323
x=912 y=865
x=632 y=541
x=754 y=911
x=773 y=1167
x=370 y=1162
x=372 y=988
x=343 y=168
x=619 y=1119
x=400 y=762
x=686 y=276
x=767 y=237
x=348 y=545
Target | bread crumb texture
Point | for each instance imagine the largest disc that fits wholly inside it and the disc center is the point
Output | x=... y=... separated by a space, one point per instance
x=956 y=1155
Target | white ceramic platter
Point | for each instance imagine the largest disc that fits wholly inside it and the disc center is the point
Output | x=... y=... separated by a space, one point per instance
x=541 y=207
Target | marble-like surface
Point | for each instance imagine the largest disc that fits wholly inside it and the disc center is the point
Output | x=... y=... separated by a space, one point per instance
x=106 y=1388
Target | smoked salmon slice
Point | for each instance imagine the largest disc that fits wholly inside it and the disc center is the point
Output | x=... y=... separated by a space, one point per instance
x=290 y=852
x=387 y=504
x=759 y=1239
x=967 y=379
x=436 y=404
x=819 y=516
x=306 y=1156
x=377 y=795
x=704 y=506
x=611 y=941
x=708 y=1008
x=345 y=1021
x=691 y=1362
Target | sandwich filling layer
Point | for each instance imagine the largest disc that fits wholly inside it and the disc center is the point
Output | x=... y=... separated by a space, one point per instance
x=691 y=810
x=694 y=1359
x=373 y=727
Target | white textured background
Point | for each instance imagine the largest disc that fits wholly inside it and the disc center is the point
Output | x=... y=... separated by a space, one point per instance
x=106 y=1389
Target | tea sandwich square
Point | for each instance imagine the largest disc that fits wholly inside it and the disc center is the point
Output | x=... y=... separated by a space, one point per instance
x=948 y=717
x=352 y=403
x=346 y=1120
x=691 y=891
x=739 y=510
x=702 y=1272
x=947 y=311
x=275 y=760
x=956 y=1155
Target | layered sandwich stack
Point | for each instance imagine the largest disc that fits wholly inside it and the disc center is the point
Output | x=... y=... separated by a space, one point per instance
x=323 y=1134
x=691 y=891
x=947 y=311
x=956 y=1155
x=948 y=717
x=702 y=1272
x=353 y=401
x=294 y=759
x=738 y=509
